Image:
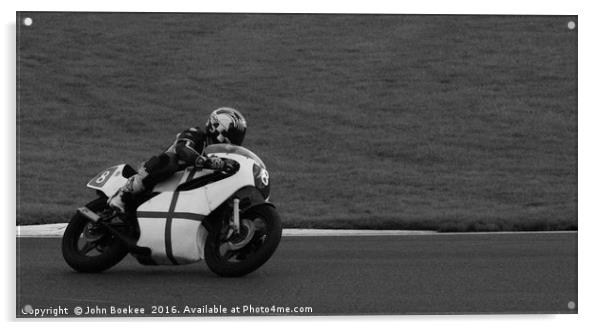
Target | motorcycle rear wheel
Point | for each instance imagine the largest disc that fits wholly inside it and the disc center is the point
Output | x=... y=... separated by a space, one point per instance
x=88 y=247
x=267 y=229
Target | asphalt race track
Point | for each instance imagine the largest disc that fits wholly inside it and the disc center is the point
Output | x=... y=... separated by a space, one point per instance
x=424 y=274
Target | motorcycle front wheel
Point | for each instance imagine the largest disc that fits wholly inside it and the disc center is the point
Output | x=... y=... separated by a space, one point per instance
x=237 y=254
x=88 y=247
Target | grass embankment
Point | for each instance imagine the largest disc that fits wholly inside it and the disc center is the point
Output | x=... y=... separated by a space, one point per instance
x=412 y=122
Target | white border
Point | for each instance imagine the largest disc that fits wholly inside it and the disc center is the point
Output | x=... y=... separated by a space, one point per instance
x=589 y=149
x=512 y=7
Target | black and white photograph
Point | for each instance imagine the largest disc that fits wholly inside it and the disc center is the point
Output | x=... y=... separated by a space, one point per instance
x=204 y=164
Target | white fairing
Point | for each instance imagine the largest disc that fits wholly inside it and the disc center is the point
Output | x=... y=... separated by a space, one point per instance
x=170 y=223
x=109 y=180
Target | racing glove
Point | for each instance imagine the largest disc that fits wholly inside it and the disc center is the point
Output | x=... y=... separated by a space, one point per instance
x=216 y=163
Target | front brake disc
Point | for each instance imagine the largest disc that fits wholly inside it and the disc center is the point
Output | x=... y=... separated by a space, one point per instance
x=239 y=241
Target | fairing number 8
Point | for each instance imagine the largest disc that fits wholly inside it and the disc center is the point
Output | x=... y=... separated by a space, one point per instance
x=265 y=177
x=103 y=177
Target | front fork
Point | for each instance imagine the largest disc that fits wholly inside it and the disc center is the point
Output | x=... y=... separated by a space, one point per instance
x=237 y=238
x=235 y=223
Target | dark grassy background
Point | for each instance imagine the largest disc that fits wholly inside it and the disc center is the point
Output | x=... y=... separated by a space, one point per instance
x=414 y=122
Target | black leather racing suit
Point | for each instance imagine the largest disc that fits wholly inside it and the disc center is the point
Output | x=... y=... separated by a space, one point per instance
x=183 y=152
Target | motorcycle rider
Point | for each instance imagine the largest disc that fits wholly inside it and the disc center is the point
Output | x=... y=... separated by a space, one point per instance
x=225 y=125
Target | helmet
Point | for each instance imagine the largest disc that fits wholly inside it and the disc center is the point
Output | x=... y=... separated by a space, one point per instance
x=226 y=125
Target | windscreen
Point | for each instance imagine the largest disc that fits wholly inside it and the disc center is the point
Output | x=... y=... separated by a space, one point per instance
x=233 y=149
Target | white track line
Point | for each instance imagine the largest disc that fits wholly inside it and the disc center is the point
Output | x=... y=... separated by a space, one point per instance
x=49 y=230
x=57 y=229
x=373 y=232
x=352 y=232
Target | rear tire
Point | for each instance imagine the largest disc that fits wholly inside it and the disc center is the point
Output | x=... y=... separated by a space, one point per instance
x=265 y=241
x=110 y=248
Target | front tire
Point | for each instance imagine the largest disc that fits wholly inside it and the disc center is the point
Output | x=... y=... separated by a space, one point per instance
x=265 y=223
x=90 y=248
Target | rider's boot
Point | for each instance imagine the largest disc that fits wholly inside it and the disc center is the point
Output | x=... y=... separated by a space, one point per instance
x=133 y=186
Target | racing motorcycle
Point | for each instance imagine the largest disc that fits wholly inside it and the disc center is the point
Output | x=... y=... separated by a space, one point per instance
x=223 y=217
